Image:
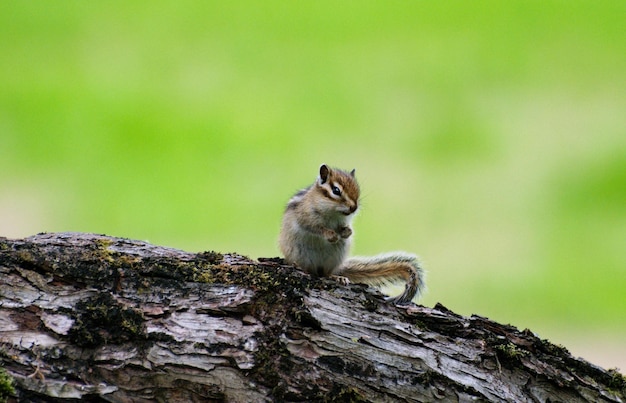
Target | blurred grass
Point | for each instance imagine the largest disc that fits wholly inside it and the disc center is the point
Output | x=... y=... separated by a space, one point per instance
x=490 y=137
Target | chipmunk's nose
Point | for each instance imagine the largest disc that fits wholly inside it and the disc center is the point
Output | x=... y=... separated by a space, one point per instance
x=353 y=208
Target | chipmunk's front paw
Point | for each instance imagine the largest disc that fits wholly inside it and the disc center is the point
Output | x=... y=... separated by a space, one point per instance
x=345 y=232
x=331 y=236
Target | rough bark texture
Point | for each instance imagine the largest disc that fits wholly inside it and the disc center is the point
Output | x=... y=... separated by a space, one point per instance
x=110 y=319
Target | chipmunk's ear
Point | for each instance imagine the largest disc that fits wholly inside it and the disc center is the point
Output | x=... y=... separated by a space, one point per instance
x=324 y=173
x=353 y=172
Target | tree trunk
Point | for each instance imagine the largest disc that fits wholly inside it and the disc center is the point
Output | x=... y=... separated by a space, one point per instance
x=110 y=319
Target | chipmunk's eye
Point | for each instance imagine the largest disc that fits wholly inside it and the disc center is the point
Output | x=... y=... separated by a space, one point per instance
x=336 y=191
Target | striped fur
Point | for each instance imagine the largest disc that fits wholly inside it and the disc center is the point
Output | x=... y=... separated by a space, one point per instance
x=296 y=199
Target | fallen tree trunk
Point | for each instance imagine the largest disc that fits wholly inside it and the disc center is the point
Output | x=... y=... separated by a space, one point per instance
x=110 y=319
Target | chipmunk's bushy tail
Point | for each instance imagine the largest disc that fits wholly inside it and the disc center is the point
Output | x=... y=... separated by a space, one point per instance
x=388 y=268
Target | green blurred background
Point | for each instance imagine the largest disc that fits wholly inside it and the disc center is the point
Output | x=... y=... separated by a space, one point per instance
x=488 y=137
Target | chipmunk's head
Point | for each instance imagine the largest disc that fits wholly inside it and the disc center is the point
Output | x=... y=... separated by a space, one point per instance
x=340 y=189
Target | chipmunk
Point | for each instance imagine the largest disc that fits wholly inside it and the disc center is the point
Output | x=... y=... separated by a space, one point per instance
x=316 y=237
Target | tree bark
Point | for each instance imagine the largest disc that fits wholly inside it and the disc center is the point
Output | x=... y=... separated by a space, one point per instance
x=98 y=318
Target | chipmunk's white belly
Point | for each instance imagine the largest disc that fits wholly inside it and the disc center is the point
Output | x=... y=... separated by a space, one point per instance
x=314 y=253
